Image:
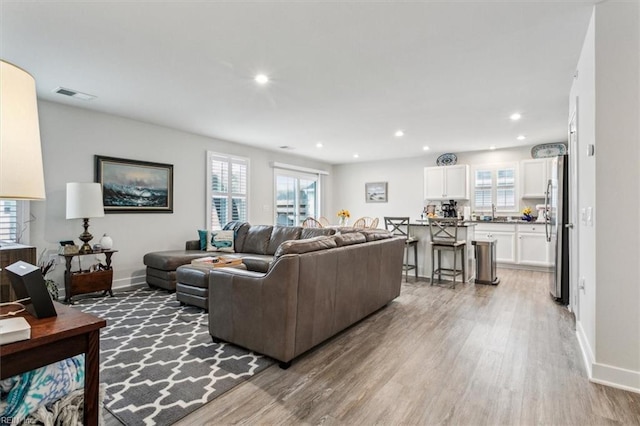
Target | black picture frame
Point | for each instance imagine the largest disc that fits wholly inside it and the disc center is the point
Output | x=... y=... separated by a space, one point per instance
x=134 y=186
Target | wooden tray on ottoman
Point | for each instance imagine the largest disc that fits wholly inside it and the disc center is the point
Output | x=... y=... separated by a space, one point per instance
x=217 y=262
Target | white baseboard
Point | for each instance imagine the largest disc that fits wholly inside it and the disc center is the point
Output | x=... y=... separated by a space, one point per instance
x=616 y=377
x=134 y=281
x=587 y=353
x=604 y=374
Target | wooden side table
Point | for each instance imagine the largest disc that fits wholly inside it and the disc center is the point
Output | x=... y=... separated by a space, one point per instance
x=53 y=339
x=84 y=281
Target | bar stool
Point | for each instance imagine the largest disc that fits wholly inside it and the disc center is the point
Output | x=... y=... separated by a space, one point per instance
x=444 y=237
x=400 y=226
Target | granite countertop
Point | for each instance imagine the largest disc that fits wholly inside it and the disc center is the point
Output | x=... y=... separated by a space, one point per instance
x=502 y=222
x=425 y=222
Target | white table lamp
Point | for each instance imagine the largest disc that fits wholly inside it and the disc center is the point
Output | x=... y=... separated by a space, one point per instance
x=21 y=172
x=84 y=201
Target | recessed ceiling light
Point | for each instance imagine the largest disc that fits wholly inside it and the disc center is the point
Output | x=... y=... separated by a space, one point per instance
x=261 y=79
x=515 y=116
x=521 y=137
x=355 y=156
x=492 y=147
x=399 y=134
x=425 y=148
x=319 y=145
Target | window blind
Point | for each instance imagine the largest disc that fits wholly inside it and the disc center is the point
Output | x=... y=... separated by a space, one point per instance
x=8 y=220
x=228 y=189
x=483 y=189
x=505 y=189
x=495 y=185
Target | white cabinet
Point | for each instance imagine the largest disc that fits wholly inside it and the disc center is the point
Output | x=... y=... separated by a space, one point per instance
x=446 y=182
x=519 y=244
x=534 y=176
x=505 y=236
x=533 y=248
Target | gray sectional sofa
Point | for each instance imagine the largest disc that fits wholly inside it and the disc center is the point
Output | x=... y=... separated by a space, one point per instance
x=312 y=289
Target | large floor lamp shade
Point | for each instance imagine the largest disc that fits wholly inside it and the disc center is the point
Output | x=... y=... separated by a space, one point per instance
x=84 y=201
x=21 y=172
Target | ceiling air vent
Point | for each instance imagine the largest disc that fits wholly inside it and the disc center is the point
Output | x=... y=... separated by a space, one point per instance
x=286 y=147
x=74 y=94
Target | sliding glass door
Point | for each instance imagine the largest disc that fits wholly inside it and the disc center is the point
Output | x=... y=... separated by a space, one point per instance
x=297 y=197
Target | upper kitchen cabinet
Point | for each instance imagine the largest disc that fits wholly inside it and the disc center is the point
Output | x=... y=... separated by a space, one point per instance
x=535 y=174
x=446 y=182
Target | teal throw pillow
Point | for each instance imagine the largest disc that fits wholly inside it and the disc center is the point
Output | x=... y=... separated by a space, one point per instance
x=203 y=239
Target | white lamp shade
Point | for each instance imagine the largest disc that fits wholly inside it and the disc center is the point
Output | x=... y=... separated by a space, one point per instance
x=84 y=200
x=21 y=173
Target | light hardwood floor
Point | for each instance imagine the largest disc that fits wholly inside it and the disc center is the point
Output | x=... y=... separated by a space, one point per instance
x=476 y=355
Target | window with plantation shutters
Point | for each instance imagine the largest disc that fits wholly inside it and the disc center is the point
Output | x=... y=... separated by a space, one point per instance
x=483 y=189
x=495 y=185
x=505 y=188
x=14 y=221
x=8 y=220
x=227 y=189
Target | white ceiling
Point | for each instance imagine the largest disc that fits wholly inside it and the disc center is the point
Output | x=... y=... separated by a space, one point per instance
x=348 y=74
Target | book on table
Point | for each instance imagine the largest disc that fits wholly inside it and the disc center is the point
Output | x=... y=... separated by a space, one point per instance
x=13 y=330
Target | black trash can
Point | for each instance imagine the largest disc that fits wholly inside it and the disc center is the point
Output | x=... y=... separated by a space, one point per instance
x=485 y=251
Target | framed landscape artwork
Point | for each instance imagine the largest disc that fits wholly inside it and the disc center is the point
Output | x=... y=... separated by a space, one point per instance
x=375 y=192
x=132 y=186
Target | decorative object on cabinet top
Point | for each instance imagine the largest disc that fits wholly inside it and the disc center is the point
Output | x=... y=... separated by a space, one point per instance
x=546 y=150
x=447 y=159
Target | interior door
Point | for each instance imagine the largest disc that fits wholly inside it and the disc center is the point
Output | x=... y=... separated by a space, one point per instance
x=574 y=234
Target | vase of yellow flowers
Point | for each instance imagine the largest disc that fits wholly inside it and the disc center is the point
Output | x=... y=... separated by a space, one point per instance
x=344 y=216
x=526 y=214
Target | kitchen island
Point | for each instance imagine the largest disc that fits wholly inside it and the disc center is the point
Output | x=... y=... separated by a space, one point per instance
x=419 y=228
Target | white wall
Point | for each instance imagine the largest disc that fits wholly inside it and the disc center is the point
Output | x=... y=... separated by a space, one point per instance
x=70 y=139
x=608 y=92
x=617 y=52
x=405 y=179
x=582 y=99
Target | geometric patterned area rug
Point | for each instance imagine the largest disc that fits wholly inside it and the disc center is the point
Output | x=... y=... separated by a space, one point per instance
x=157 y=359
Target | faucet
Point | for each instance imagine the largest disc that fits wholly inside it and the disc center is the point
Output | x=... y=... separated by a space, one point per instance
x=493 y=211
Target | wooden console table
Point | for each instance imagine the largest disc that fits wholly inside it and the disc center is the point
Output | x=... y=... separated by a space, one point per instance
x=53 y=339
x=81 y=282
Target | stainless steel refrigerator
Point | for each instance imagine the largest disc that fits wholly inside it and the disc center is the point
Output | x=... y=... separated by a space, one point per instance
x=557 y=198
